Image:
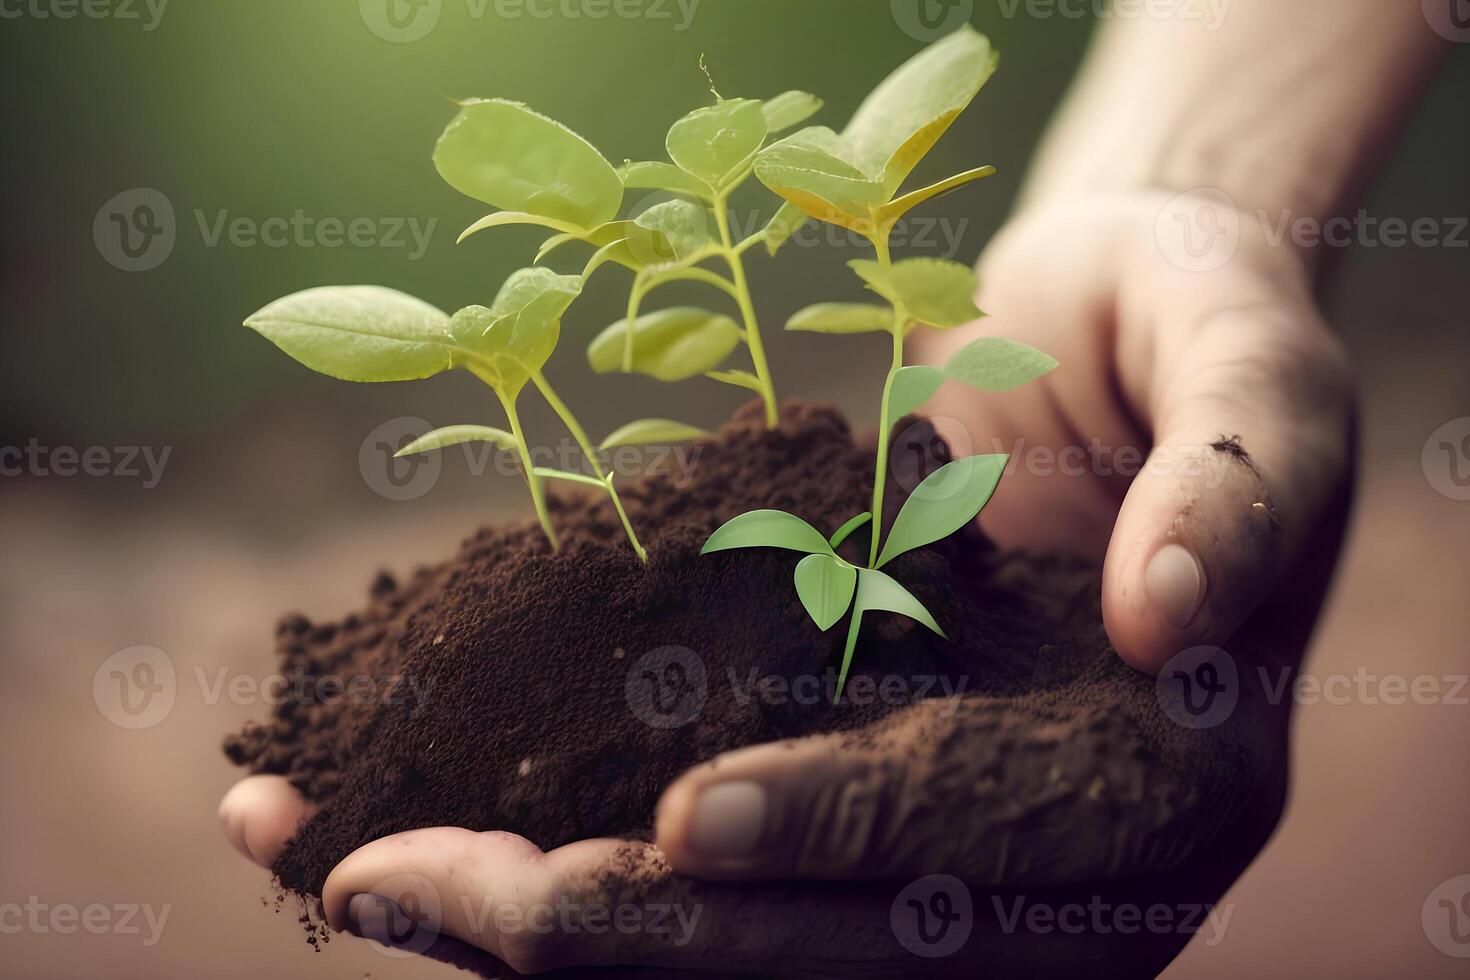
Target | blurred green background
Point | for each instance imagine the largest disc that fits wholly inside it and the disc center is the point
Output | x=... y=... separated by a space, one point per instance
x=258 y=108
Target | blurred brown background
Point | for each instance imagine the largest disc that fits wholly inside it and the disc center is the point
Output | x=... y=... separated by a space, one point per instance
x=258 y=108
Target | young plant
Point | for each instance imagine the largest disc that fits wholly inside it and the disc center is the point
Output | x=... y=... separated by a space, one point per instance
x=369 y=333
x=852 y=180
x=538 y=172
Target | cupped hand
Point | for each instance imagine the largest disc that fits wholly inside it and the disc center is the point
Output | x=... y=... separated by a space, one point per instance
x=1222 y=374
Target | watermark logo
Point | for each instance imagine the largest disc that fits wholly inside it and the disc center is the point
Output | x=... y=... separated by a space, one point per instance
x=1450 y=19
x=41 y=918
x=135 y=230
x=1199 y=230
x=143 y=463
x=398 y=477
x=1100 y=917
x=135 y=688
x=930 y=20
x=1199 y=687
x=402 y=914
x=1210 y=13
x=933 y=916
x=1446 y=459
x=400 y=21
x=1446 y=917
x=667 y=687
x=123 y=10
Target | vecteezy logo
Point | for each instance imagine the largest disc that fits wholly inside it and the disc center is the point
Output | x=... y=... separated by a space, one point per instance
x=1199 y=687
x=1446 y=459
x=1449 y=18
x=920 y=449
x=1446 y=917
x=400 y=21
x=933 y=916
x=929 y=20
x=135 y=688
x=1199 y=230
x=135 y=230
x=667 y=687
x=398 y=477
x=403 y=914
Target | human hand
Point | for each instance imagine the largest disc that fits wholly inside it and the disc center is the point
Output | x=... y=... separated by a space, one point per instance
x=1228 y=380
x=819 y=829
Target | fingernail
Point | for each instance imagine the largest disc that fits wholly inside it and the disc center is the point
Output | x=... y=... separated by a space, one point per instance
x=1175 y=584
x=728 y=818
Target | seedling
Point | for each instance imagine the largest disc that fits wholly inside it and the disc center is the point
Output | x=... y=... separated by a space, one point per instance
x=369 y=333
x=538 y=172
x=852 y=180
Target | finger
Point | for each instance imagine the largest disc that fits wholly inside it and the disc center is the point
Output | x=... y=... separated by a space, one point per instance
x=593 y=903
x=840 y=806
x=600 y=904
x=260 y=814
x=1251 y=411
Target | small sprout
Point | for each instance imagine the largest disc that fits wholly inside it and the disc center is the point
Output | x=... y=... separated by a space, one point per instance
x=852 y=180
x=367 y=333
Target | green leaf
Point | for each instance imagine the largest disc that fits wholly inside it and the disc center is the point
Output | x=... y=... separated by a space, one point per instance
x=601 y=236
x=504 y=154
x=995 y=364
x=807 y=169
x=878 y=591
x=910 y=110
x=787 y=221
x=670 y=345
x=894 y=210
x=789 y=109
x=516 y=335
x=453 y=435
x=552 y=244
x=655 y=175
x=740 y=379
x=846 y=530
x=646 y=432
x=618 y=251
x=670 y=235
x=947 y=500
x=912 y=387
x=933 y=291
x=825 y=585
x=498 y=218
x=549 y=473
x=715 y=142
x=767 y=529
x=359 y=333
x=842 y=318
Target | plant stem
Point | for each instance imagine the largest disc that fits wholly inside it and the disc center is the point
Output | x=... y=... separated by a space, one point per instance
x=880 y=471
x=623 y=516
x=747 y=311
x=635 y=298
x=852 y=636
x=580 y=435
x=538 y=490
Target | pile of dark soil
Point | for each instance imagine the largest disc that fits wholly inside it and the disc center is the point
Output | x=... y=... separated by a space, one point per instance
x=540 y=693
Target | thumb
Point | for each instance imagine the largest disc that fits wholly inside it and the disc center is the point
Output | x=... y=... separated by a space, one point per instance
x=1251 y=411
